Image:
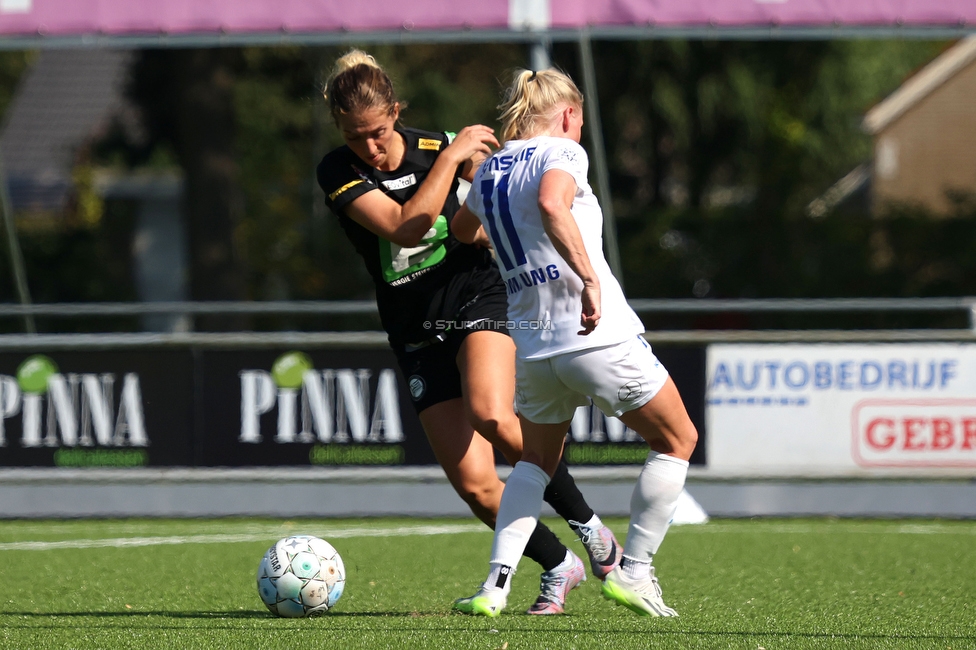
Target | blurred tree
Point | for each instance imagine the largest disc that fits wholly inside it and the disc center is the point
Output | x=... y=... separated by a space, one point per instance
x=12 y=67
x=248 y=127
x=730 y=137
x=715 y=150
x=187 y=101
x=13 y=64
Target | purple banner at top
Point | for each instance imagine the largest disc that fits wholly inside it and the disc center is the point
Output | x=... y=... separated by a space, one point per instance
x=122 y=17
x=745 y=13
x=32 y=18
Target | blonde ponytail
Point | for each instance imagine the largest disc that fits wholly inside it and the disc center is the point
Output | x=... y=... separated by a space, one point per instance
x=531 y=100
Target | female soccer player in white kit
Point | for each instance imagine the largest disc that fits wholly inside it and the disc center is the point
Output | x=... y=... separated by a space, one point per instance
x=577 y=339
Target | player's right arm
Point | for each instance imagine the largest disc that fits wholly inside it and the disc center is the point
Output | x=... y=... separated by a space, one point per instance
x=557 y=190
x=405 y=225
x=467 y=229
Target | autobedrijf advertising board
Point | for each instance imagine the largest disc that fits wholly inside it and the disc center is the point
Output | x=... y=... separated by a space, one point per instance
x=841 y=409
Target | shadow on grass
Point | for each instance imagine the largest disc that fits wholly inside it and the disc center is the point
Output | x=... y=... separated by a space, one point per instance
x=255 y=614
x=781 y=636
x=251 y=613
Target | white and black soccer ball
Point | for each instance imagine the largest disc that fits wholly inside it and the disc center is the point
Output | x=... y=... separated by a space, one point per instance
x=301 y=576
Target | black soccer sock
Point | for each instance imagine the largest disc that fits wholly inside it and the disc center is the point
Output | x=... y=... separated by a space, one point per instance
x=545 y=548
x=565 y=498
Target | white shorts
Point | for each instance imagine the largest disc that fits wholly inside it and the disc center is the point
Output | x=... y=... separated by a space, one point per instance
x=617 y=378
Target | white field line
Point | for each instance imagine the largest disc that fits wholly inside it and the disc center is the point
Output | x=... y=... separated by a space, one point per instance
x=832 y=528
x=451 y=529
x=123 y=542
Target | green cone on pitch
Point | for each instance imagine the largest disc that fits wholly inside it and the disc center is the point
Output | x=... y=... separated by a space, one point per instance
x=289 y=369
x=33 y=373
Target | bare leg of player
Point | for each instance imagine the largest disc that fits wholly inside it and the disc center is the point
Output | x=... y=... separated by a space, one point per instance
x=664 y=423
x=468 y=459
x=469 y=463
x=518 y=514
x=486 y=361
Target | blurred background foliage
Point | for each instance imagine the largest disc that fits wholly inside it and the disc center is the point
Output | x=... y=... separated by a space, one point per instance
x=715 y=148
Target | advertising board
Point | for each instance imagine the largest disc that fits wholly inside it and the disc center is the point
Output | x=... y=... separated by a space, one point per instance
x=841 y=409
x=320 y=408
x=96 y=409
x=265 y=407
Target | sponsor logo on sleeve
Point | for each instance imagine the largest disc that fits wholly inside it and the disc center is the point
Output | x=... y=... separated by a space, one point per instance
x=429 y=144
x=567 y=154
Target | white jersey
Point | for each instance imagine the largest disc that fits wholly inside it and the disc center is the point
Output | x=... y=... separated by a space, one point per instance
x=543 y=291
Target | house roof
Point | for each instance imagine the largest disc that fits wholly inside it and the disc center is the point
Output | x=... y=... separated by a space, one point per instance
x=63 y=101
x=921 y=84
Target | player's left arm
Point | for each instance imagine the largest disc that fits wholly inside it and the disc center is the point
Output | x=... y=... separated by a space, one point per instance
x=470 y=166
x=557 y=190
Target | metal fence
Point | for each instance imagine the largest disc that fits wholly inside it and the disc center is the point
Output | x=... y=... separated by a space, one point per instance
x=203 y=491
x=367 y=308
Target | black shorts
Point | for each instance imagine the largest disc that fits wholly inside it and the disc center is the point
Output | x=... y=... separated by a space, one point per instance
x=430 y=367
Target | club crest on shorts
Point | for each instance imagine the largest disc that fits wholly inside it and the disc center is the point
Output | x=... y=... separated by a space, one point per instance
x=630 y=391
x=417 y=387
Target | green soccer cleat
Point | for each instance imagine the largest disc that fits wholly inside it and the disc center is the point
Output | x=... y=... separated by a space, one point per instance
x=642 y=597
x=487 y=602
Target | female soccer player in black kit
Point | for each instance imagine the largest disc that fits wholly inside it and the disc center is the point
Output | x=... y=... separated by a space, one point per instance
x=444 y=306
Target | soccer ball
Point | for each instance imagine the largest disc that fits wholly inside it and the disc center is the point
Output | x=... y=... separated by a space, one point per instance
x=301 y=576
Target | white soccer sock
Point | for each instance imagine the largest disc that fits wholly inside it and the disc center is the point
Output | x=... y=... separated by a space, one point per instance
x=594 y=522
x=518 y=515
x=565 y=565
x=635 y=570
x=499 y=577
x=652 y=504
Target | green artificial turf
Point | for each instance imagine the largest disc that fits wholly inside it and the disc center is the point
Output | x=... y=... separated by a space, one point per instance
x=736 y=584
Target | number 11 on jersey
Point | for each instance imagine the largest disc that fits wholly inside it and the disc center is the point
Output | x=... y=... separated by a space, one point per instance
x=505 y=215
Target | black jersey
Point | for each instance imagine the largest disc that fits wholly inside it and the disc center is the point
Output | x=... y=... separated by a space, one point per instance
x=414 y=286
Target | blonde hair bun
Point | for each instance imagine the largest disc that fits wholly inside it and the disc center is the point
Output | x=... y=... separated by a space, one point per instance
x=359 y=83
x=351 y=59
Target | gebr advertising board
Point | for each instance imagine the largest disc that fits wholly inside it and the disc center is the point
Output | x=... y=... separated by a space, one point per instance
x=841 y=409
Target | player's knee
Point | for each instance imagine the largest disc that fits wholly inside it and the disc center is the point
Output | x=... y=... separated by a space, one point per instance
x=485 y=423
x=500 y=428
x=685 y=441
x=480 y=494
